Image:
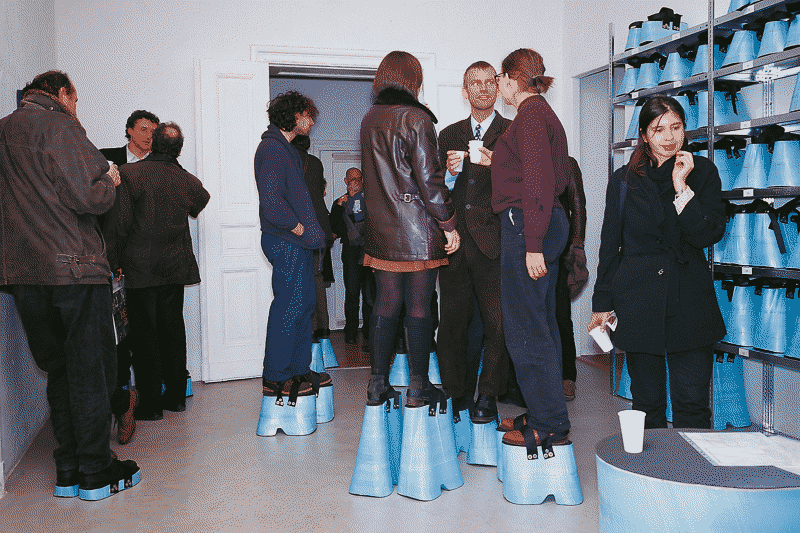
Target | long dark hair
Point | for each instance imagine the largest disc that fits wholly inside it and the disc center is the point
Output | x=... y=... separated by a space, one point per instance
x=651 y=110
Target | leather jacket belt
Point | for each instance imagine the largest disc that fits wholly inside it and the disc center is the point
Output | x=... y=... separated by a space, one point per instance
x=408 y=198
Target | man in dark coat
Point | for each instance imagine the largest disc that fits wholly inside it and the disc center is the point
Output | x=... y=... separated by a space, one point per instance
x=152 y=245
x=474 y=270
x=139 y=132
x=53 y=184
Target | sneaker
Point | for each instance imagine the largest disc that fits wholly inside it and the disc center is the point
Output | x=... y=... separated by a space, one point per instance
x=118 y=476
x=126 y=424
x=569 y=390
x=66 y=484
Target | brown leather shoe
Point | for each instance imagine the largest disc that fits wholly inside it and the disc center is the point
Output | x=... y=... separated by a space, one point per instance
x=126 y=424
x=270 y=388
x=569 y=390
x=507 y=424
x=515 y=438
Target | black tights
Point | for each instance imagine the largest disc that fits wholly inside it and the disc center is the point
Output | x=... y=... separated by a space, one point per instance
x=415 y=289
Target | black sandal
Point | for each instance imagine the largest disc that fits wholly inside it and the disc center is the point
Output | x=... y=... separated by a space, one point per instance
x=380 y=392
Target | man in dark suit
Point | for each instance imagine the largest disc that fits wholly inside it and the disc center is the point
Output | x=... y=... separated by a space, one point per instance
x=474 y=270
x=139 y=132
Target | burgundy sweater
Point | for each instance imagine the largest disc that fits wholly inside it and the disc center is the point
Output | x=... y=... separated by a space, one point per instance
x=530 y=168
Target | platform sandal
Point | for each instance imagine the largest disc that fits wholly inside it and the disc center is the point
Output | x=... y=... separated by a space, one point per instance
x=292 y=388
x=530 y=438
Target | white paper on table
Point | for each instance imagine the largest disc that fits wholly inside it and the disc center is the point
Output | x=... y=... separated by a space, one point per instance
x=792 y=469
x=745 y=449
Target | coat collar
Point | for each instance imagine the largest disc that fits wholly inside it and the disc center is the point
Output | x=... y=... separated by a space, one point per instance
x=392 y=96
x=164 y=158
x=45 y=101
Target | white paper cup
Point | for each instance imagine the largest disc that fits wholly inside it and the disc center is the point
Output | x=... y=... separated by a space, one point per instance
x=475 y=151
x=460 y=166
x=631 y=422
x=602 y=339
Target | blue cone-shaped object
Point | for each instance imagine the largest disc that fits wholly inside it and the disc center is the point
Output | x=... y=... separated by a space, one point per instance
x=770 y=335
x=394 y=417
x=325 y=404
x=730 y=404
x=792 y=241
x=785 y=168
x=372 y=475
x=328 y=356
x=729 y=167
x=530 y=482
x=725 y=307
x=628 y=84
x=398 y=375
x=649 y=76
x=633 y=126
x=433 y=370
x=793 y=37
x=719 y=249
x=462 y=433
x=428 y=461
x=765 y=251
x=723 y=109
x=740 y=330
x=677 y=68
x=795 y=105
x=634 y=35
x=690 y=111
x=317 y=364
x=189 y=391
x=624 y=389
x=483 y=446
x=793 y=329
x=738 y=241
x=743 y=47
x=774 y=38
x=299 y=419
x=738 y=4
x=653 y=30
x=701 y=59
x=499 y=437
x=755 y=168
x=669 y=395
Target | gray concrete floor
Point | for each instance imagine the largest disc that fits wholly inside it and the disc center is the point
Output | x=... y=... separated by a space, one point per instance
x=206 y=470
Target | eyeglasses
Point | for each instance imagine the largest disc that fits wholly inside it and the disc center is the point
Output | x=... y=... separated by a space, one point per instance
x=497 y=78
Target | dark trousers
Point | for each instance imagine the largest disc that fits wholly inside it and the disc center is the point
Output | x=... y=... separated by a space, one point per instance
x=160 y=354
x=529 y=320
x=319 y=318
x=359 y=285
x=565 y=328
x=470 y=276
x=71 y=337
x=288 y=348
x=689 y=380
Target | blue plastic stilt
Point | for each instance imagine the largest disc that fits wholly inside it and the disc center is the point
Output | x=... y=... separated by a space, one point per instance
x=300 y=419
x=328 y=357
x=325 y=404
x=730 y=404
x=499 y=437
x=398 y=375
x=428 y=461
x=372 y=474
x=483 y=446
x=461 y=429
x=625 y=381
x=433 y=370
x=189 y=392
x=531 y=481
x=316 y=358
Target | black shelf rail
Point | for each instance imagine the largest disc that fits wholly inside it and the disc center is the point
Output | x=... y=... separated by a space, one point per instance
x=737 y=19
x=750 y=128
x=753 y=272
x=772 y=192
x=698 y=81
x=781 y=64
x=753 y=353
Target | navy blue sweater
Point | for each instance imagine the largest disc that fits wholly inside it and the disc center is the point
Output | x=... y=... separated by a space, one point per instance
x=282 y=193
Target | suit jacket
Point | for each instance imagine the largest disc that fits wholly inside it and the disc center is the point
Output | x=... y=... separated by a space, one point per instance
x=315 y=181
x=472 y=193
x=118 y=156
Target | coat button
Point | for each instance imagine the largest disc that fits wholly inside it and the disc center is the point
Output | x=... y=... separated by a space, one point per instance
x=660 y=271
x=467 y=206
x=471 y=181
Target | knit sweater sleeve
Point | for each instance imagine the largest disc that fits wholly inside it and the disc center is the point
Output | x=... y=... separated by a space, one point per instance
x=538 y=177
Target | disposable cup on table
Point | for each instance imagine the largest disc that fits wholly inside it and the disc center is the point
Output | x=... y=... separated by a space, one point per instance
x=631 y=422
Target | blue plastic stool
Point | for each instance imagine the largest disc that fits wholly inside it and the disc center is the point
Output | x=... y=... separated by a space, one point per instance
x=433 y=370
x=299 y=419
x=316 y=358
x=325 y=404
x=624 y=389
x=189 y=392
x=730 y=404
x=483 y=444
x=461 y=428
x=398 y=375
x=428 y=462
x=499 y=437
x=378 y=461
x=531 y=481
x=328 y=357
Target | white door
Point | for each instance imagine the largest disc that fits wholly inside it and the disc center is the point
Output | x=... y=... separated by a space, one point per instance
x=235 y=295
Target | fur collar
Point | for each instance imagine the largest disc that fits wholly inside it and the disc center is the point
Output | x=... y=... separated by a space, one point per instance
x=392 y=96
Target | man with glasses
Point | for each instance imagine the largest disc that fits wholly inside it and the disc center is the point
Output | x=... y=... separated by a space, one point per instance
x=474 y=270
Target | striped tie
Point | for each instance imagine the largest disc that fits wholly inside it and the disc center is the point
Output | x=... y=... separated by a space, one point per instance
x=478 y=132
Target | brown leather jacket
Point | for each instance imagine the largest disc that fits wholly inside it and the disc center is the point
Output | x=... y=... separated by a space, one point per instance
x=574 y=201
x=408 y=204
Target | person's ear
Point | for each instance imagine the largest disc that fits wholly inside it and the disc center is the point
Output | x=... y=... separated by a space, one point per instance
x=465 y=94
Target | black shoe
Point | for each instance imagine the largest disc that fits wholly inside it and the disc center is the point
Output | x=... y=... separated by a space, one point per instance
x=178 y=406
x=350 y=338
x=485 y=410
x=514 y=397
x=459 y=404
x=322 y=333
x=140 y=414
x=66 y=484
x=379 y=391
x=118 y=476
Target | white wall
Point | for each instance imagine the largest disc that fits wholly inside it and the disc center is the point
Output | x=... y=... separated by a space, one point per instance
x=27 y=48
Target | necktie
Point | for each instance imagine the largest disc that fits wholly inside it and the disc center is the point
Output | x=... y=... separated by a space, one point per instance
x=478 y=132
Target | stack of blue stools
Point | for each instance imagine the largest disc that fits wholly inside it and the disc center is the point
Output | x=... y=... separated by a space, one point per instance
x=377 y=468
x=730 y=404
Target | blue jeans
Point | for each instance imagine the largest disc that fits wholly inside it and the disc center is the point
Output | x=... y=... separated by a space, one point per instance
x=288 y=348
x=529 y=320
x=71 y=337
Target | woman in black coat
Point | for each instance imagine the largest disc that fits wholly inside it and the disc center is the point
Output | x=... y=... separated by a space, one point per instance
x=662 y=209
x=409 y=227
